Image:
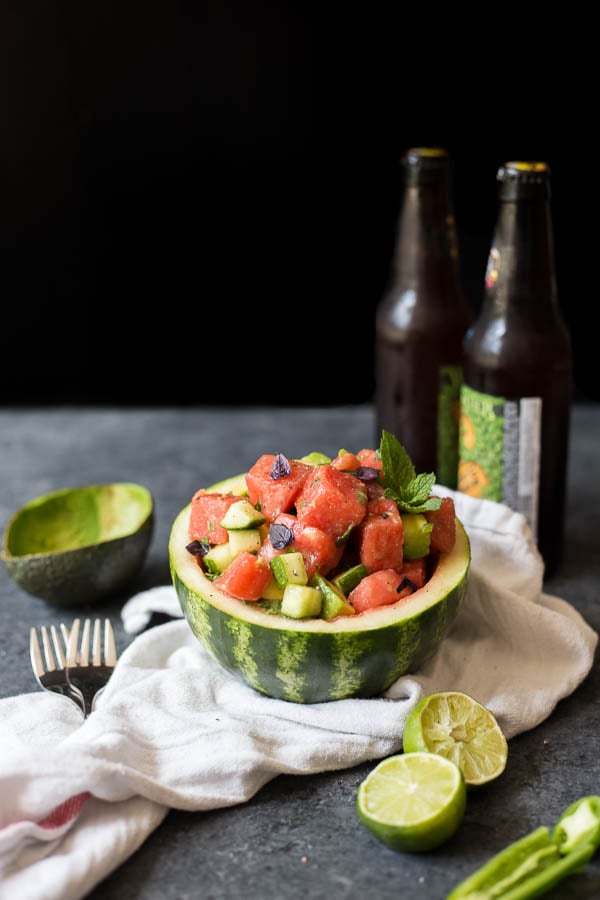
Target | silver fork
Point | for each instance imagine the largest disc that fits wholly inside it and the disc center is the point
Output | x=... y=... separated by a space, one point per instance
x=70 y=672
x=89 y=677
x=50 y=669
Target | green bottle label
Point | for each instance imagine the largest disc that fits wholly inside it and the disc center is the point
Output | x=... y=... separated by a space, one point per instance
x=499 y=450
x=447 y=424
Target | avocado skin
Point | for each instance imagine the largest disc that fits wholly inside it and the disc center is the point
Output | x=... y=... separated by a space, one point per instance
x=86 y=574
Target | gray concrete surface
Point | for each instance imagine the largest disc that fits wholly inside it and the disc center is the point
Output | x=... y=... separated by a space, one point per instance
x=299 y=837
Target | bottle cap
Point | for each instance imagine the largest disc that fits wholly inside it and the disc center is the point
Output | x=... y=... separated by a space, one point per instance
x=425 y=164
x=523 y=179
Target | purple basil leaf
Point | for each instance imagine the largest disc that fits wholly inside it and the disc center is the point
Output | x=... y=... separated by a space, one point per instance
x=280 y=467
x=281 y=536
x=367 y=473
x=198 y=548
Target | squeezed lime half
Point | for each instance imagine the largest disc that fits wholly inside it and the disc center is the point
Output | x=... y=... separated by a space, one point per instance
x=459 y=728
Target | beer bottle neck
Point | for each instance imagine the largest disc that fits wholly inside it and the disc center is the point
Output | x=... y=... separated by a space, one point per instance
x=521 y=267
x=426 y=244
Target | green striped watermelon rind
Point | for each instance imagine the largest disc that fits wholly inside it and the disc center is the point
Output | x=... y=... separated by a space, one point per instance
x=313 y=660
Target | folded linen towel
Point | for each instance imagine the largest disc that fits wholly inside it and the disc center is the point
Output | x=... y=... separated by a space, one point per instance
x=77 y=799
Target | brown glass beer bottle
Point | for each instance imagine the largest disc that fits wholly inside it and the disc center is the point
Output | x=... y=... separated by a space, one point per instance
x=421 y=321
x=517 y=392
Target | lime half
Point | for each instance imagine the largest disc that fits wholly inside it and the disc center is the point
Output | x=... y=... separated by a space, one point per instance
x=413 y=801
x=454 y=725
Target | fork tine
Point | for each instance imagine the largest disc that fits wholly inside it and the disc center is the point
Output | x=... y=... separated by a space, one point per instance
x=84 y=647
x=90 y=678
x=48 y=654
x=60 y=656
x=49 y=668
x=96 y=644
x=65 y=636
x=72 y=651
x=35 y=654
x=110 y=649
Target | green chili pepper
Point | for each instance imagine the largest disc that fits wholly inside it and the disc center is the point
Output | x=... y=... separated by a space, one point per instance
x=580 y=821
x=532 y=865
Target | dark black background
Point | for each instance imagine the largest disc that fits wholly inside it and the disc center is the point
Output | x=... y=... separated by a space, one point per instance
x=199 y=199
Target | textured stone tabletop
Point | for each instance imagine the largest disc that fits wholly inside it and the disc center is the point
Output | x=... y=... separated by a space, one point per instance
x=299 y=837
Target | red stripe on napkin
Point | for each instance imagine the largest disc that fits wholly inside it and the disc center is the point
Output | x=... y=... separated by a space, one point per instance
x=68 y=810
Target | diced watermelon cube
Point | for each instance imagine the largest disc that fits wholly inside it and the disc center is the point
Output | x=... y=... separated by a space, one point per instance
x=415 y=573
x=319 y=550
x=245 y=578
x=346 y=462
x=370 y=458
x=332 y=501
x=379 y=537
x=275 y=495
x=206 y=513
x=443 y=534
x=378 y=589
x=382 y=506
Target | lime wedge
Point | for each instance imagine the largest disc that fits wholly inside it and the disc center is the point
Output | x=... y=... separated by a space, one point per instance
x=413 y=801
x=454 y=725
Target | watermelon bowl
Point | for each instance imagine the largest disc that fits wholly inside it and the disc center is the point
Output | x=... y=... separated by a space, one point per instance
x=313 y=660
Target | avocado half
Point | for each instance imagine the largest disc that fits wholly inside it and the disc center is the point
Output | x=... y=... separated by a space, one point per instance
x=79 y=544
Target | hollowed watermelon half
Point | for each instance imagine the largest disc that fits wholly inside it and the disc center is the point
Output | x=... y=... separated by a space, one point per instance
x=313 y=660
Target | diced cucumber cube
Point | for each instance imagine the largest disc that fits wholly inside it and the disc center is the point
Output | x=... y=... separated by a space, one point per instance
x=347 y=580
x=417 y=535
x=288 y=568
x=218 y=558
x=247 y=539
x=301 y=601
x=240 y=515
x=316 y=458
x=272 y=590
x=334 y=602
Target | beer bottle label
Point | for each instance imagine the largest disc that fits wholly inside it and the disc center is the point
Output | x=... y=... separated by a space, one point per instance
x=499 y=450
x=450 y=380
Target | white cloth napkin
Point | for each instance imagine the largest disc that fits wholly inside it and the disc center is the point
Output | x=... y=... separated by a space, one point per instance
x=173 y=730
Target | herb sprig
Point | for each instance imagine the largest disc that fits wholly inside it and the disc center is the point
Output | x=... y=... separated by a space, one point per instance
x=402 y=484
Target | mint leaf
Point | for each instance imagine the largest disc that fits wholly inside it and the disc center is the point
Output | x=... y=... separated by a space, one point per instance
x=408 y=503
x=411 y=492
x=420 y=487
x=410 y=506
x=398 y=469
